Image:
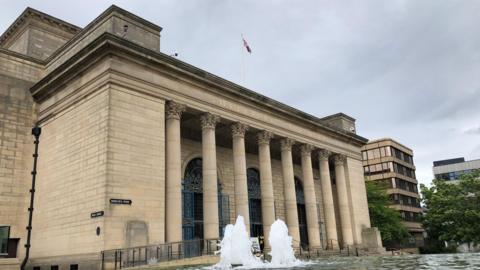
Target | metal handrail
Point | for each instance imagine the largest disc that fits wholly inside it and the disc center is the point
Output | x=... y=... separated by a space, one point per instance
x=143 y=255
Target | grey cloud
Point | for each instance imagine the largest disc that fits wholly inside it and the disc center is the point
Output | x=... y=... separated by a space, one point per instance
x=404 y=69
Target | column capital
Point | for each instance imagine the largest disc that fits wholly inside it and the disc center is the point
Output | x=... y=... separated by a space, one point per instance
x=209 y=121
x=306 y=149
x=239 y=129
x=339 y=159
x=174 y=110
x=324 y=154
x=286 y=144
x=264 y=137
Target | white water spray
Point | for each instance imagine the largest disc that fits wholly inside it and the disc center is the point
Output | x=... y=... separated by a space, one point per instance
x=236 y=247
x=281 y=245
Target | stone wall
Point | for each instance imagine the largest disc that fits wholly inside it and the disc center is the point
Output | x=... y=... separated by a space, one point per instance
x=136 y=169
x=71 y=180
x=17 y=117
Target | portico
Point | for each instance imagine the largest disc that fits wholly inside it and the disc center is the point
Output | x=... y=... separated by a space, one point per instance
x=250 y=145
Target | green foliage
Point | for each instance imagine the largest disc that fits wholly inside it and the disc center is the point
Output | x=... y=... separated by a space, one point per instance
x=453 y=209
x=386 y=219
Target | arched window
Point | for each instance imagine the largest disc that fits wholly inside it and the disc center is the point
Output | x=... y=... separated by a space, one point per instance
x=302 y=213
x=193 y=202
x=254 y=202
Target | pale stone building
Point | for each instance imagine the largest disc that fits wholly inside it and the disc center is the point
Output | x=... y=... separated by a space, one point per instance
x=140 y=148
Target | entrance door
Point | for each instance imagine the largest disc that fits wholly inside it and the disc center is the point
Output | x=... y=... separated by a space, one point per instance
x=254 y=203
x=193 y=202
x=302 y=214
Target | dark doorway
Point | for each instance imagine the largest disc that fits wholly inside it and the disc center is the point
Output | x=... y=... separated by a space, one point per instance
x=302 y=214
x=254 y=202
x=193 y=202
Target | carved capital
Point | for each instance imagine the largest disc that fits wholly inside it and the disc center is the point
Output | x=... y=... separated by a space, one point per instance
x=264 y=137
x=209 y=121
x=174 y=110
x=286 y=144
x=339 y=159
x=306 y=149
x=324 y=154
x=239 y=129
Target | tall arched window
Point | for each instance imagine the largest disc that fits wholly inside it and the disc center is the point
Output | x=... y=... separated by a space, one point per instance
x=254 y=202
x=302 y=214
x=193 y=202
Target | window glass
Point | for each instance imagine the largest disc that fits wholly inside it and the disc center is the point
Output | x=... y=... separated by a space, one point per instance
x=364 y=155
x=376 y=153
x=388 y=152
x=4 y=235
x=370 y=154
x=382 y=151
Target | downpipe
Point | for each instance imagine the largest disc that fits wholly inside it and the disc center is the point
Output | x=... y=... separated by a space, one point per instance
x=36 y=131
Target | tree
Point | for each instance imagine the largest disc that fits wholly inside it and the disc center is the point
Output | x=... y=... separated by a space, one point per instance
x=453 y=210
x=386 y=219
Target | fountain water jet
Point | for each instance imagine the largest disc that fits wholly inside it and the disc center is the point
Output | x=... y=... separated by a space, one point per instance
x=281 y=245
x=236 y=247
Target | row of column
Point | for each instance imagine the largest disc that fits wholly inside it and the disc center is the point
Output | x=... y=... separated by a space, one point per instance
x=210 y=203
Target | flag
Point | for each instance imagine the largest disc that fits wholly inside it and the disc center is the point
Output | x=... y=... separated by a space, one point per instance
x=245 y=44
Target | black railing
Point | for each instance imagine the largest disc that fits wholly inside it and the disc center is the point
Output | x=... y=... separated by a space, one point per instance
x=152 y=254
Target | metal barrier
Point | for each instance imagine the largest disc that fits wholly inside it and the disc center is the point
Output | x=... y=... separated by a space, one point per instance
x=143 y=255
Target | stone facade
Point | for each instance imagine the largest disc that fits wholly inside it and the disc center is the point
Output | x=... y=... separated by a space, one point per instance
x=120 y=120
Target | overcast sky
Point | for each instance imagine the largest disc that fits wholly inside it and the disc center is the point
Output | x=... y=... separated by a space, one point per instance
x=409 y=70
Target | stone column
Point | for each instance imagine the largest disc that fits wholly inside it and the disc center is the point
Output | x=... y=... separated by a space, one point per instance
x=210 y=195
x=240 y=172
x=266 y=182
x=173 y=173
x=310 y=197
x=343 y=206
x=289 y=190
x=327 y=195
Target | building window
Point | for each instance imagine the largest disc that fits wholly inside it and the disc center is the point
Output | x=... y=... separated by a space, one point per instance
x=54 y=267
x=73 y=266
x=4 y=236
x=36 y=268
x=364 y=155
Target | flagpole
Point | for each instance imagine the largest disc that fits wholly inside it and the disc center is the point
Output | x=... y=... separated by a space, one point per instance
x=242 y=71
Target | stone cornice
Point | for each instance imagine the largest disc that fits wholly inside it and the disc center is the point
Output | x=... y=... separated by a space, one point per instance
x=112 y=44
x=32 y=13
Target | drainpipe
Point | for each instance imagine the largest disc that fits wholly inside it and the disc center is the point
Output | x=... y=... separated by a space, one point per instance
x=36 y=131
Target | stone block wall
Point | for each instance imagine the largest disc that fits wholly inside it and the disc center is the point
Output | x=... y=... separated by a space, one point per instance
x=71 y=180
x=136 y=169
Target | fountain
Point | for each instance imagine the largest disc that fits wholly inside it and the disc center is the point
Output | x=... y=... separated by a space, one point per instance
x=236 y=247
x=281 y=245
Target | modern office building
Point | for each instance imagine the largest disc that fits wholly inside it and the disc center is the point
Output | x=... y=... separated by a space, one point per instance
x=388 y=161
x=139 y=148
x=451 y=169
